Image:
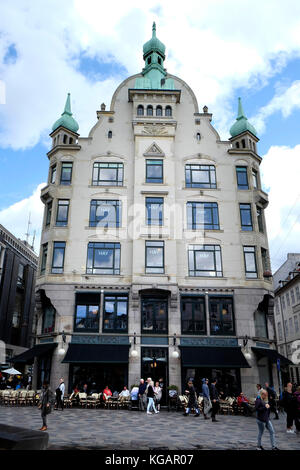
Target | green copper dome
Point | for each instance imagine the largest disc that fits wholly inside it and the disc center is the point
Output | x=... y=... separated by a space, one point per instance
x=66 y=120
x=241 y=124
x=154 y=45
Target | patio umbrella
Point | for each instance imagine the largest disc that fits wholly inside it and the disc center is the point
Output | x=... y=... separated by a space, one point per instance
x=12 y=371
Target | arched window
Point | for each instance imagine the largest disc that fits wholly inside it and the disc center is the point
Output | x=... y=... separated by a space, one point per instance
x=149 y=60
x=158 y=111
x=109 y=134
x=54 y=142
x=70 y=140
x=198 y=136
x=65 y=138
x=237 y=145
x=243 y=143
x=140 y=110
x=159 y=60
x=149 y=110
x=168 y=111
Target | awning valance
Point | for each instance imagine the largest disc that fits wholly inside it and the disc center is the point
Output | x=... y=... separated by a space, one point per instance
x=212 y=357
x=97 y=353
x=272 y=355
x=38 y=350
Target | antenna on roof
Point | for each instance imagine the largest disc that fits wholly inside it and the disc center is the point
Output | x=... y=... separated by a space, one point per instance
x=27 y=234
x=33 y=239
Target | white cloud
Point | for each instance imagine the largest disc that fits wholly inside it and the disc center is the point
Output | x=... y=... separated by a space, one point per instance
x=284 y=101
x=280 y=172
x=215 y=46
x=15 y=217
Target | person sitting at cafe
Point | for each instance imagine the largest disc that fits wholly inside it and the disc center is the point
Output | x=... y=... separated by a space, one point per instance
x=244 y=403
x=125 y=393
x=106 y=393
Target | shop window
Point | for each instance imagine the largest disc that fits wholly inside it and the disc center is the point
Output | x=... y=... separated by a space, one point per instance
x=193 y=319
x=115 y=313
x=154 y=316
x=221 y=316
x=87 y=312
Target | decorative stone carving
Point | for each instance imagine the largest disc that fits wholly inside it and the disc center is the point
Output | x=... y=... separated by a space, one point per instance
x=155 y=129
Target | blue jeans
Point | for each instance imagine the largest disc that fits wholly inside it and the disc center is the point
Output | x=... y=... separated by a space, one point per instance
x=151 y=405
x=261 y=428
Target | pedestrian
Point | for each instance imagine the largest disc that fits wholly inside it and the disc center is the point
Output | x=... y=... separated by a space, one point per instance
x=288 y=403
x=206 y=398
x=193 y=402
x=214 y=396
x=297 y=411
x=46 y=400
x=158 y=395
x=272 y=399
x=150 y=394
x=142 y=395
x=60 y=391
x=263 y=420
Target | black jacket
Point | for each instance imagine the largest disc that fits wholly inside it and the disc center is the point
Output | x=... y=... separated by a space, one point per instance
x=150 y=391
x=262 y=413
x=214 y=394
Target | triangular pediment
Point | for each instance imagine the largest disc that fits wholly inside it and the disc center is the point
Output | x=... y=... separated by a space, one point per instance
x=154 y=151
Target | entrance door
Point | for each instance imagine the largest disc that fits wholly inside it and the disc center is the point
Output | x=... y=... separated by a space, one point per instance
x=155 y=365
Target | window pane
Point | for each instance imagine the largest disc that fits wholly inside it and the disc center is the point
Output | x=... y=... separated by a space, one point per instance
x=66 y=173
x=108 y=174
x=221 y=316
x=205 y=260
x=246 y=219
x=242 y=179
x=154 y=171
x=200 y=176
x=103 y=258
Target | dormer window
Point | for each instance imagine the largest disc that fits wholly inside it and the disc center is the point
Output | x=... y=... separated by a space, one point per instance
x=158 y=111
x=140 y=110
x=149 y=110
x=168 y=111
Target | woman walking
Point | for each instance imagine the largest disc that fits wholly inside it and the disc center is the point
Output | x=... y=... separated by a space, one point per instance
x=288 y=402
x=46 y=400
x=150 y=395
x=158 y=395
x=263 y=419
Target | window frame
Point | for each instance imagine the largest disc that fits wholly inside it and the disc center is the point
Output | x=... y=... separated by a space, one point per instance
x=255 y=261
x=62 y=223
x=115 y=270
x=154 y=269
x=53 y=171
x=193 y=300
x=149 y=201
x=238 y=170
x=211 y=169
x=206 y=248
x=49 y=207
x=54 y=269
x=118 y=207
x=87 y=304
x=119 y=168
x=222 y=299
x=150 y=180
x=44 y=258
x=156 y=301
x=246 y=209
x=66 y=182
x=117 y=298
x=212 y=207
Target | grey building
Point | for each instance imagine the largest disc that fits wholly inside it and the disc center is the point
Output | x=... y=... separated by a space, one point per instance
x=18 y=265
x=154 y=253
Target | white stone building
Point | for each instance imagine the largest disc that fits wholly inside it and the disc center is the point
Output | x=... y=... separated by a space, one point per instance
x=287 y=313
x=154 y=253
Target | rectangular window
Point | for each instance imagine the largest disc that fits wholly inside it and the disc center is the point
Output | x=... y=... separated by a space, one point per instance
x=48 y=213
x=283 y=302
x=154 y=210
x=277 y=307
x=254 y=179
x=87 y=312
x=115 y=313
x=296 y=324
x=246 y=217
x=66 y=173
x=291 y=326
x=58 y=257
x=205 y=260
x=250 y=262
x=202 y=215
x=154 y=315
x=155 y=257
x=154 y=171
x=108 y=174
x=44 y=257
x=103 y=258
x=288 y=299
x=21 y=278
x=53 y=174
x=193 y=321
x=264 y=260
x=200 y=176
x=260 y=220
x=297 y=292
x=221 y=316
x=286 y=328
x=105 y=213
x=293 y=296
x=242 y=178
x=279 y=328
x=62 y=212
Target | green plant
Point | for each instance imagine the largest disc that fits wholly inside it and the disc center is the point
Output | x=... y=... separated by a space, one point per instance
x=173 y=387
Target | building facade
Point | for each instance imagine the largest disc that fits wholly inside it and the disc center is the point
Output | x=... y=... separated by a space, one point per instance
x=18 y=265
x=287 y=313
x=154 y=253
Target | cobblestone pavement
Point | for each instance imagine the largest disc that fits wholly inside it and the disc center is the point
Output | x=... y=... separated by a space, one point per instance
x=128 y=430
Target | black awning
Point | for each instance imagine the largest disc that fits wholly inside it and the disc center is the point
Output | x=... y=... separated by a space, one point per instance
x=271 y=354
x=212 y=357
x=97 y=353
x=38 y=350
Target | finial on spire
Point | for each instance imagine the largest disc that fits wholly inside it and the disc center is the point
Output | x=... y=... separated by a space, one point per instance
x=67 y=109
x=154 y=29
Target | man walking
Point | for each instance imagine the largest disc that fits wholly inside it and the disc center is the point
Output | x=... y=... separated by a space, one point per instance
x=206 y=398
x=214 y=400
x=142 y=395
x=60 y=391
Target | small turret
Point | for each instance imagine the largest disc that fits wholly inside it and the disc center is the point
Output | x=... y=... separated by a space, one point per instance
x=64 y=130
x=243 y=134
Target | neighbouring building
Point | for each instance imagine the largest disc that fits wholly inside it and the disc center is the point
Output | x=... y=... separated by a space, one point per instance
x=18 y=265
x=154 y=254
x=287 y=313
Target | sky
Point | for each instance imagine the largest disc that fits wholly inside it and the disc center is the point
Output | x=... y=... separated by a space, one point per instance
x=222 y=48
